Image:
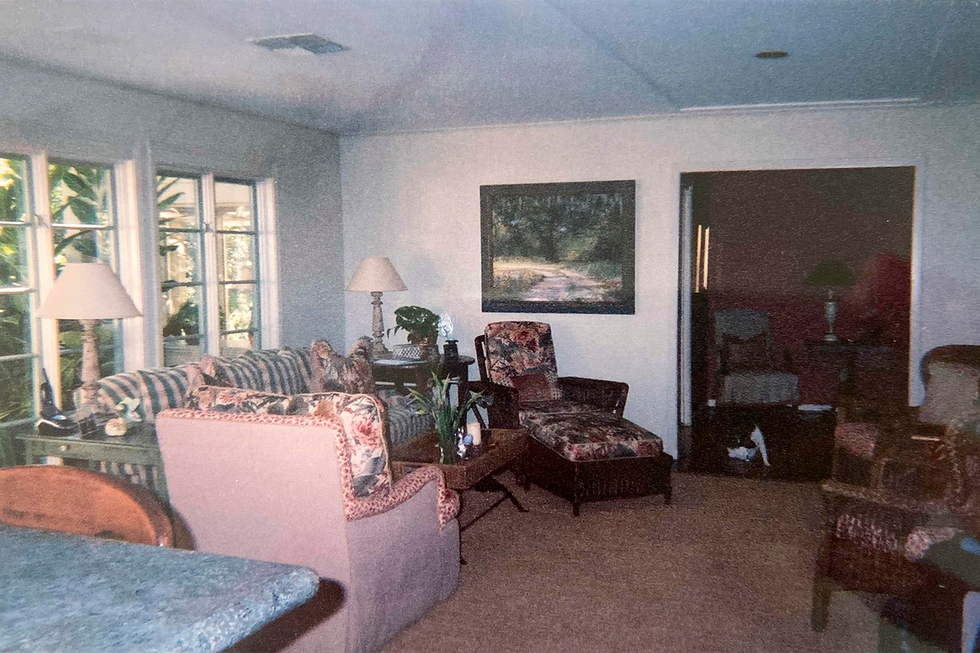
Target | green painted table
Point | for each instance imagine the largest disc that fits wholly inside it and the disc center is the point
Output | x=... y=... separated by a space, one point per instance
x=137 y=447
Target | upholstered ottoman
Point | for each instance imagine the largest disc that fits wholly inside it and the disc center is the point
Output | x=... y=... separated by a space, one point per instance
x=586 y=456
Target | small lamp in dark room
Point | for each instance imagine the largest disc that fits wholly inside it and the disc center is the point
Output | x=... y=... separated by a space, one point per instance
x=832 y=275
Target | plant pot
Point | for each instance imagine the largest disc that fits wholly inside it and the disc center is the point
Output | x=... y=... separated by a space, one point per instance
x=428 y=349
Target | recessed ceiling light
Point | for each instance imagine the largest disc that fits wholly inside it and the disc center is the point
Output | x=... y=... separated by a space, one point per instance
x=772 y=54
x=309 y=42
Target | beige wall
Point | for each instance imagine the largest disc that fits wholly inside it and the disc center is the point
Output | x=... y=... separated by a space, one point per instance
x=414 y=197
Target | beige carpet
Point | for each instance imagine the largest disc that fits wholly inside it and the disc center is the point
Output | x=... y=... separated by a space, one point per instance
x=726 y=568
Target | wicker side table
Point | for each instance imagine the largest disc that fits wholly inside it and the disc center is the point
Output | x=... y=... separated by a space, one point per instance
x=501 y=448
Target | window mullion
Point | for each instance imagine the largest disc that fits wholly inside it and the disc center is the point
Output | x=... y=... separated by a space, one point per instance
x=44 y=266
x=130 y=268
x=209 y=269
x=268 y=267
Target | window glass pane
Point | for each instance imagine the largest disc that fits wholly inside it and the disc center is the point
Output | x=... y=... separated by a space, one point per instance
x=70 y=355
x=234 y=204
x=178 y=203
x=182 y=311
x=236 y=254
x=237 y=304
x=180 y=351
x=83 y=246
x=16 y=389
x=15 y=324
x=13 y=190
x=180 y=257
x=13 y=208
x=13 y=256
x=80 y=194
x=234 y=344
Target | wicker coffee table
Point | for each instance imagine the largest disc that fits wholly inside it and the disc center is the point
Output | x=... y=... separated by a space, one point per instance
x=501 y=448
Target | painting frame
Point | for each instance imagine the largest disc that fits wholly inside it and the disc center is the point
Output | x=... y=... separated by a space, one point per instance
x=615 y=295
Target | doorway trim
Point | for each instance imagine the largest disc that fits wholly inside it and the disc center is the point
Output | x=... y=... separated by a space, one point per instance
x=916 y=390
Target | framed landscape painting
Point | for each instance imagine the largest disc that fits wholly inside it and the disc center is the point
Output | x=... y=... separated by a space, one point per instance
x=558 y=248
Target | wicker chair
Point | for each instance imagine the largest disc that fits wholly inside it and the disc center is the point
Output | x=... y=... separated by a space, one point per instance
x=581 y=447
x=875 y=536
x=748 y=372
x=870 y=436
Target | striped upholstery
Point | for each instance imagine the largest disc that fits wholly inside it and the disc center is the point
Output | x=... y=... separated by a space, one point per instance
x=113 y=389
x=166 y=387
x=279 y=371
x=234 y=372
x=283 y=371
x=299 y=364
x=405 y=424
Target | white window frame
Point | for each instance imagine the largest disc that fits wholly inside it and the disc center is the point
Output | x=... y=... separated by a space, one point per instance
x=45 y=342
x=267 y=268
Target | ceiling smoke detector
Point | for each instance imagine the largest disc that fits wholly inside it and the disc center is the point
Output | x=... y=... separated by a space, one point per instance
x=310 y=42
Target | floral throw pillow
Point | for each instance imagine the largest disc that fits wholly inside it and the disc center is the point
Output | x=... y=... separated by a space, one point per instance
x=335 y=373
x=536 y=387
x=236 y=400
x=363 y=418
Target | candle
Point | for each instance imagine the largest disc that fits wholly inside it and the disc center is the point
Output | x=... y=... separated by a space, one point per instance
x=473 y=428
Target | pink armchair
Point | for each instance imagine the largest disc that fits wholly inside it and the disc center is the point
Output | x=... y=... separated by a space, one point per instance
x=281 y=488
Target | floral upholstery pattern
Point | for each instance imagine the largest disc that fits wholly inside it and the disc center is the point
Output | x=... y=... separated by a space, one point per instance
x=537 y=387
x=355 y=506
x=236 y=400
x=557 y=407
x=591 y=435
x=335 y=373
x=363 y=418
x=516 y=348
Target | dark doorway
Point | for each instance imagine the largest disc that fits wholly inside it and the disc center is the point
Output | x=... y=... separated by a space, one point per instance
x=763 y=240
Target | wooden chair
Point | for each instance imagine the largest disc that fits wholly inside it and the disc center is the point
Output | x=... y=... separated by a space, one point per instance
x=72 y=500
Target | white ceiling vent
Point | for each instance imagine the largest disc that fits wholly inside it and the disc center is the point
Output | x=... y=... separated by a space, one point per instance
x=311 y=43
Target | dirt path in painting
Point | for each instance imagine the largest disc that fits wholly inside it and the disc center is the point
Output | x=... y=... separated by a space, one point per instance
x=561 y=284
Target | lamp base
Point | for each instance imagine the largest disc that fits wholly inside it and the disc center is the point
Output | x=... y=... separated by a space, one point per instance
x=831 y=337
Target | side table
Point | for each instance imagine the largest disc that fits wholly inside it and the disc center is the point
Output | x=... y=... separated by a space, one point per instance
x=137 y=447
x=402 y=371
x=503 y=447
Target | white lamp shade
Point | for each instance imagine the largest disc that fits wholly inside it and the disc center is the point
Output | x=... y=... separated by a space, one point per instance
x=375 y=274
x=87 y=291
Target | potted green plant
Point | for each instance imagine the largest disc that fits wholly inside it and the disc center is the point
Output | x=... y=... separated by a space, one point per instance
x=421 y=326
x=448 y=418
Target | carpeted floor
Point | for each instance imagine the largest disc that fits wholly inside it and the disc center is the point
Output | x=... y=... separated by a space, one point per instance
x=726 y=568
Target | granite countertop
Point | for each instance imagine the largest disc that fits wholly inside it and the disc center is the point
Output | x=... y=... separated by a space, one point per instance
x=71 y=593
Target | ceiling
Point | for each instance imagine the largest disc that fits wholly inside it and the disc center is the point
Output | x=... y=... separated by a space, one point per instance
x=429 y=64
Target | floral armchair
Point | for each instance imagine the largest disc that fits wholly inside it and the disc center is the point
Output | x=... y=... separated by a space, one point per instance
x=580 y=447
x=518 y=368
x=314 y=488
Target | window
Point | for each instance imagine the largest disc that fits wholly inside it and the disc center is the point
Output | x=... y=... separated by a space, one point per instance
x=215 y=258
x=18 y=291
x=208 y=246
x=83 y=230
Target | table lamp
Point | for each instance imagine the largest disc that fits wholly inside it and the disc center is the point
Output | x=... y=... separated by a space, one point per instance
x=88 y=292
x=831 y=275
x=376 y=274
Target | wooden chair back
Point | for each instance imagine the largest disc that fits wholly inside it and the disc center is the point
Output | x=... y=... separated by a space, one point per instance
x=78 y=501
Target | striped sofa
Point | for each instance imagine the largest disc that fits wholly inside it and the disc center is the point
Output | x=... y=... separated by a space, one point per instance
x=286 y=371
